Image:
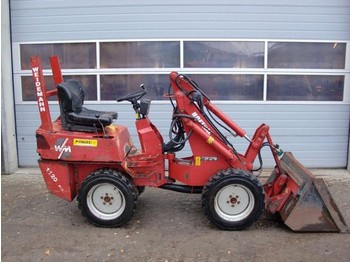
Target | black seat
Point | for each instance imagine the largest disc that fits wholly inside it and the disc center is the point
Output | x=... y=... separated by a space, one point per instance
x=74 y=116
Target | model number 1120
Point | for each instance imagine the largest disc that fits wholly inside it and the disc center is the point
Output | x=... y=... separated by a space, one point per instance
x=51 y=174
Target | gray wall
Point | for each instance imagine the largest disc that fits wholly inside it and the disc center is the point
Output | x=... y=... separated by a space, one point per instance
x=106 y=19
x=316 y=133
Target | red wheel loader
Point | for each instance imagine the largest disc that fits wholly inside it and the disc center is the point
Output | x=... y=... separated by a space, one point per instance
x=87 y=154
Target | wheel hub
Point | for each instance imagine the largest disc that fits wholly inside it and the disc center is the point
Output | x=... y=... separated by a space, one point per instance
x=234 y=202
x=107 y=199
x=233 y=199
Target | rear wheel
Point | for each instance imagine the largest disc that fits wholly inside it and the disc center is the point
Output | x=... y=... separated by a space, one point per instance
x=233 y=199
x=140 y=190
x=107 y=198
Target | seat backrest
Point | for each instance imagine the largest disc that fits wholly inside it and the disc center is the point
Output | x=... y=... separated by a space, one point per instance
x=71 y=95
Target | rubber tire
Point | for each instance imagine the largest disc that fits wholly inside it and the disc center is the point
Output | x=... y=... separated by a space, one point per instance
x=140 y=189
x=245 y=180
x=108 y=178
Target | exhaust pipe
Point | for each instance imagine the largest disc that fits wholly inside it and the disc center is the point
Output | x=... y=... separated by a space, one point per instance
x=183 y=188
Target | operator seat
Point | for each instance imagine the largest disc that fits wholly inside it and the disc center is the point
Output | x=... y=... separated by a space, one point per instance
x=74 y=116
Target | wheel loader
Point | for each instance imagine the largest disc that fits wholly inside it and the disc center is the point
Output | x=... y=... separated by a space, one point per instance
x=86 y=154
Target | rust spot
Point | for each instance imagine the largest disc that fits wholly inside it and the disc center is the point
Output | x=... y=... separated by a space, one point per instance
x=187 y=176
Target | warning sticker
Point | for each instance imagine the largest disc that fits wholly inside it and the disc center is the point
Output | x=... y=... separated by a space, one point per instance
x=210 y=140
x=197 y=161
x=84 y=142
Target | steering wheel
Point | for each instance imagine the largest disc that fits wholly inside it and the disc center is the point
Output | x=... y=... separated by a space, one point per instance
x=134 y=96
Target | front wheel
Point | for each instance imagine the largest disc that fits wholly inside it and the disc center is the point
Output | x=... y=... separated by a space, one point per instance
x=107 y=198
x=233 y=199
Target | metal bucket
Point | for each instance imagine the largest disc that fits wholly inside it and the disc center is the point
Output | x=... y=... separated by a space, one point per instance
x=308 y=206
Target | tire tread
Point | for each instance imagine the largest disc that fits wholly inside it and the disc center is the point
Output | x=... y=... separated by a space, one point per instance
x=217 y=178
x=108 y=173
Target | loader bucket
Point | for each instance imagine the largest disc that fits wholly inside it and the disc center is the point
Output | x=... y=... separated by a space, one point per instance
x=307 y=205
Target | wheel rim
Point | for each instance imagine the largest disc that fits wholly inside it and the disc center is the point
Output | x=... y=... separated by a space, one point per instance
x=106 y=201
x=234 y=202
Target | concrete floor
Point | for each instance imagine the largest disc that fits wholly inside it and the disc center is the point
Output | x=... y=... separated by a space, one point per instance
x=167 y=226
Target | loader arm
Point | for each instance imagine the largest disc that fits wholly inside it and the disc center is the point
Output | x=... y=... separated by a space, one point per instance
x=183 y=89
x=187 y=86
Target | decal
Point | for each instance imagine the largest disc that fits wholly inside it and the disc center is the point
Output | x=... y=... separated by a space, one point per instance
x=84 y=142
x=197 y=161
x=51 y=174
x=54 y=178
x=39 y=92
x=200 y=120
x=210 y=140
x=61 y=147
x=209 y=158
x=183 y=161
